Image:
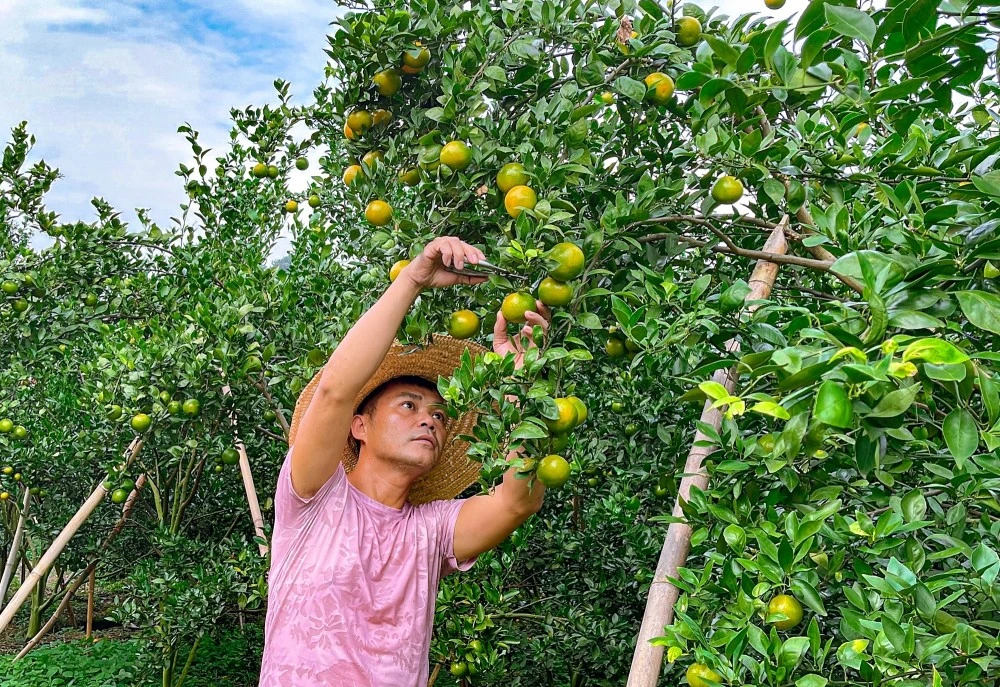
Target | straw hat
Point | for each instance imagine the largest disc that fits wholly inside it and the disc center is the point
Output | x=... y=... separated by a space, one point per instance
x=454 y=471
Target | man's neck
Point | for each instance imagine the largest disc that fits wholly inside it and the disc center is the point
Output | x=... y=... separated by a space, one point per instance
x=380 y=483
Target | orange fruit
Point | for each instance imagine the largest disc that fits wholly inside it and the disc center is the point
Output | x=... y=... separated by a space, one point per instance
x=273 y=171
x=607 y=97
x=20 y=432
x=569 y=257
x=518 y=199
x=191 y=407
x=349 y=133
x=456 y=155
x=581 y=410
x=410 y=177
x=20 y=305
x=552 y=471
x=700 y=675
x=351 y=173
x=568 y=418
x=510 y=175
x=360 y=121
x=396 y=268
x=727 y=190
x=615 y=347
x=90 y=300
x=660 y=87
x=141 y=422
x=388 y=82
x=378 y=213
x=515 y=305
x=119 y=496
x=314 y=201
x=230 y=456
x=381 y=118
x=416 y=58
x=462 y=324
x=555 y=293
x=260 y=170
x=6 y=425
x=301 y=164
x=688 y=31
x=774 y=4
x=4 y=495
x=788 y=606
x=371 y=156
x=291 y=206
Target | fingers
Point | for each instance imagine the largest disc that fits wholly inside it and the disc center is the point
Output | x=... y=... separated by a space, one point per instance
x=500 y=329
x=534 y=318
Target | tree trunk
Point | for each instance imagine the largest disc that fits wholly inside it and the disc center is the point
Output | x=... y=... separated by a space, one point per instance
x=648 y=659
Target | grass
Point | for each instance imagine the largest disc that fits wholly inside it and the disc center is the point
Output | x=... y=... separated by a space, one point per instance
x=231 y=660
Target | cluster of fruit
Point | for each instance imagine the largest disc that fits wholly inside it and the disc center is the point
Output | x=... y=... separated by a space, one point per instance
x=141 y=422
x=18 y=432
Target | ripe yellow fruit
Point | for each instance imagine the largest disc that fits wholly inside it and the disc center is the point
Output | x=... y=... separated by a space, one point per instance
x=515 y=305
x=660 y=87
x=567 y=419
x=352 y=173
x=518 y=199
x=554 y=293
x=388 y=82
x=788 y=606
x=291 y=206
x=349 y=133
x=456 y=155
x=607 y=97
x=688 y=31
x=378 y=213
x=727 y=190
x=774 y=4
x=260 y=170
x=410 y=177
x=360 y=121
x=570 y=260
x=396 y=268
x=462 y=324
x=415 y=59
x=510 y=175
x=615 y=347
x=581 y=410
x=141 y=422
x=314 y=201
x=552 y=471
x=371 y=156
x=700 y=675
x=381 y=118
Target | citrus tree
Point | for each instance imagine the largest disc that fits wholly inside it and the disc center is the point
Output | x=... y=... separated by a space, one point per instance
x=624 y=164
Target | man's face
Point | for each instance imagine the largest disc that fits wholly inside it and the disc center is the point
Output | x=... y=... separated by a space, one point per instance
x=406 y=427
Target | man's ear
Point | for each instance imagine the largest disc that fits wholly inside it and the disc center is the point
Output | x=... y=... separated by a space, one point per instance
x=359 y=430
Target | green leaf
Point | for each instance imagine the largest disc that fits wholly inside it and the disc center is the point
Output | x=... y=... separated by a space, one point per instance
x=806 y=593
x=914 y=505
x=895 y=402
x=528 y=430
x=735 y=537
x=991 y=396
x=989 y=183
x=630 y=88
x=982 y=309
x=770 y=408
x=894 y=633
x=961 y=434
x=812 y=680
x=936 y=351
x=714 y=390
x=851 y=22
x=589 y=320
x=792 y=651
x=833 y=406
x=688 y=81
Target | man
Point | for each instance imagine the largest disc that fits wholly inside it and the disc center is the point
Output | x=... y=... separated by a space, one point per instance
x=366 y=523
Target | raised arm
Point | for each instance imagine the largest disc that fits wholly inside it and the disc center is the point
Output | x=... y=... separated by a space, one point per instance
x=323 y=432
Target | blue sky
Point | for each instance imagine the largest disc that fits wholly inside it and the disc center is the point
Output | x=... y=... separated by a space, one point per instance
x=105 y=84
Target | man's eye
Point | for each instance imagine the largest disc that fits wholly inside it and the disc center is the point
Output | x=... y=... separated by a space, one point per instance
x=407 y=404
x=439 y=416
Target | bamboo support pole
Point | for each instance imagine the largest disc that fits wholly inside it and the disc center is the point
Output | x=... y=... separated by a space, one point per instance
x=60 y=543
x=91 y=585
x=88 y=574
x=647 y=659
x=15 y=548
x=248 y=485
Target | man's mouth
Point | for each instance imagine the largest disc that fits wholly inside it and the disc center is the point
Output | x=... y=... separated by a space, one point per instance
x=428 y=440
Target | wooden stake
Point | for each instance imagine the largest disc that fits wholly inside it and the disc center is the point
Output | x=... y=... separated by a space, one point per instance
x=64 y=537
x=248 y=485
x=90 y=601
x=647 y=658
x=88 y=573
x=15 y=548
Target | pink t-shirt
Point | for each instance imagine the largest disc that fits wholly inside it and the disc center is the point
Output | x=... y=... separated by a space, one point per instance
x=352 y=586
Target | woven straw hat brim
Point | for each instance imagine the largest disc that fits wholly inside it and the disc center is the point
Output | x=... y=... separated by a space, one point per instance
x=454 y=471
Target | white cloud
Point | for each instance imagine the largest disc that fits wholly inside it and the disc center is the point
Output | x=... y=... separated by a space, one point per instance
x=104 y=89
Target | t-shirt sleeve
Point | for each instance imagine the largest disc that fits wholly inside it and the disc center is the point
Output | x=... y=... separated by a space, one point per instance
x=447 y=517
x=289 y=506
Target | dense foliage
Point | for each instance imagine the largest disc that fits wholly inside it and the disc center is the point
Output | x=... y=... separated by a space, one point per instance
x=856 y=468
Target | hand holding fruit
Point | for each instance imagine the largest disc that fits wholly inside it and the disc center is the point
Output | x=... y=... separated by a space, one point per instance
x=429 y=269
x=522 y=341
